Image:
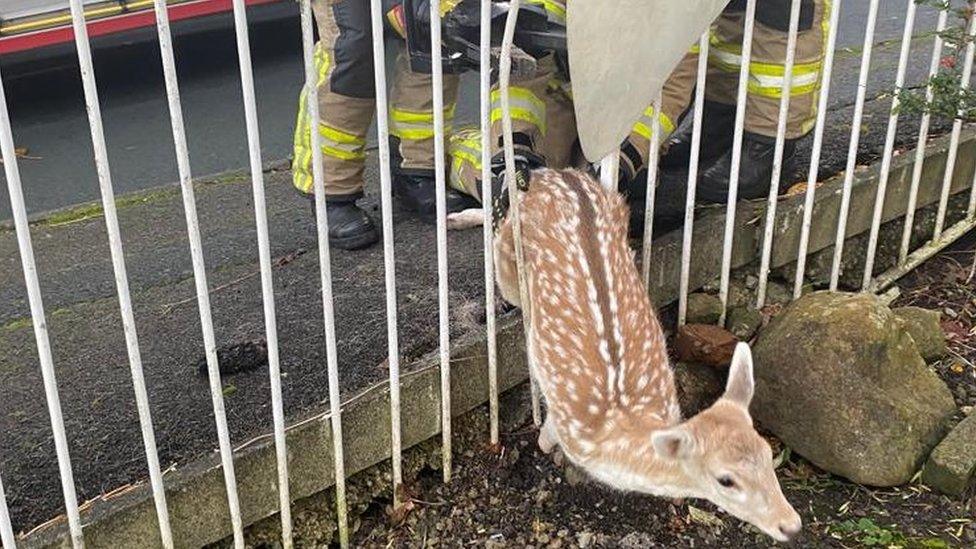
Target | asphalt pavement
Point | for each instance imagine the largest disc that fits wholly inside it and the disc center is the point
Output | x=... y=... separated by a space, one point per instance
x=49 y=119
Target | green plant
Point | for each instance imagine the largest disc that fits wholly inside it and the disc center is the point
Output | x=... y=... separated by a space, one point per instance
x=948 y=99
x=869 y=534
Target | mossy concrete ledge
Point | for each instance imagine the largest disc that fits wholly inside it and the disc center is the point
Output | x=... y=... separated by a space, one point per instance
x=196 y=494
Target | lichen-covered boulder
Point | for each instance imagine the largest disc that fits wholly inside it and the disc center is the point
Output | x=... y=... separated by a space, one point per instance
x=703 y=309
x=840 y=381
x=952 y=465
x=925 y=329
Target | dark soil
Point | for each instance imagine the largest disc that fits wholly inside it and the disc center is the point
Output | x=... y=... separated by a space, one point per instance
x=518 y=498
x=514 y=496
x=946 y=283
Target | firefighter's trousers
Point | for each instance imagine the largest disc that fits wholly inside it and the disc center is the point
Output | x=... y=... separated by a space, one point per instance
x=766 y=68
x=347 y=102
x=542 y=115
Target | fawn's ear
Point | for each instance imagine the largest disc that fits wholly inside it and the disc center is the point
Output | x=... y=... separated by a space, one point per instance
x=673 y=444
x=741 y=385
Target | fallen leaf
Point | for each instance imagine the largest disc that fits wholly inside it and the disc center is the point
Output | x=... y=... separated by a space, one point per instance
x=700 y=516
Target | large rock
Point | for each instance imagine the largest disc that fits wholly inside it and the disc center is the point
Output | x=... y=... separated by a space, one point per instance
x=925 y=328
x=842 y=383
x=703 y=309
x=952 y=465
x=699 y=386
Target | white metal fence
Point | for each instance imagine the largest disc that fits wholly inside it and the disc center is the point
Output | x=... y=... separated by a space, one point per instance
x=907 y=258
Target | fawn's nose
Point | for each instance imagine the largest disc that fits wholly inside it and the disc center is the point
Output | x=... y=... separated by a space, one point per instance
x=791 y=527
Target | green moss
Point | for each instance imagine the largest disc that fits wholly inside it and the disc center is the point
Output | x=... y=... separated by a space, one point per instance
x=18 y=324
x=91 y=210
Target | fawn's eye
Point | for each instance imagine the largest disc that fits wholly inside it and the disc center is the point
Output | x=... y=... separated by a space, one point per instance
x=726 y=481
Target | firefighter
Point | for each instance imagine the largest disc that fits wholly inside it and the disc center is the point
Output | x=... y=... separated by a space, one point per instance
x=346 y=94
x=765 y=88
x=544 y=126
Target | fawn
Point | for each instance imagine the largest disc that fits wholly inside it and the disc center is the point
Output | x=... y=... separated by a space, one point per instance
x=600 y=361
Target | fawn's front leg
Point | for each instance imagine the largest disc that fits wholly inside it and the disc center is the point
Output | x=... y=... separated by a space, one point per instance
x=506 y=269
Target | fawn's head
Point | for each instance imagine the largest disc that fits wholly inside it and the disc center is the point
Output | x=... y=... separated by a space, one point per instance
x=724 y=460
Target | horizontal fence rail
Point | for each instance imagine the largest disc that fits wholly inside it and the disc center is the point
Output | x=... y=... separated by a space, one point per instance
x=490 y=168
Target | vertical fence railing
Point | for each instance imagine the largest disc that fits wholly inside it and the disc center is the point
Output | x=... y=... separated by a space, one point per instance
x=777 y=171
x=862 y=88
x=6 y=530
x=199 y=267
x=389 y=270
x=19 y=210
x=923 y=135
x=515 y=199
x=264 y=257
x=93 y=108
x=689 y=228
x=325 y=271
x=950 y=168
x=817 y=147
x=651 y=186
x=749 y=25
x=444 y=316
x=484 y=85
x=889 y=146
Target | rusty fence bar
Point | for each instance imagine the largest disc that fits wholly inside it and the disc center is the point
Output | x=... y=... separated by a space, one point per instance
x=923 y=135
x=652 y=169
x=6 y=530
x=950 y=169
x=444 y=315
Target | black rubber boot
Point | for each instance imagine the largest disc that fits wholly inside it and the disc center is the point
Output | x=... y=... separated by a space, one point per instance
x=350 y=228
x=718 y=123
x=417 y=193
x=755 y=170
x=755 y=174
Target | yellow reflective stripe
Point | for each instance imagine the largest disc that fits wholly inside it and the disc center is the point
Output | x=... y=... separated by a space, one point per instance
x=767 y=79
x=302 y=161
x=523 y=115
x=448 y=5
x=643 y=125
x=525 y=107
x=342 y=145
x=416 y=126
x=341 y=137
x=322 y=63
x=556 y=10
x=401 y=115
x=561 y=86
x=394 y=22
